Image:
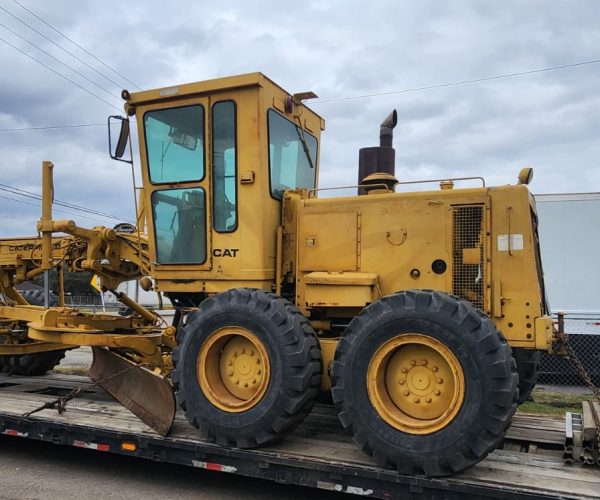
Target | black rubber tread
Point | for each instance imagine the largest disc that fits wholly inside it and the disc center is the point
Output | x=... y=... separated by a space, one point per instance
x=490 y=382
x=36 y=297
x=294 y=356
x=528 y=362
x=38 y=363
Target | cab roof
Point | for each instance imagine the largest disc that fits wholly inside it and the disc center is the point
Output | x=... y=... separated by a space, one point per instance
x=203 y=87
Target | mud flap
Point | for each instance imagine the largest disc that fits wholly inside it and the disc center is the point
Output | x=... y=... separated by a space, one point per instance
x=148 y=396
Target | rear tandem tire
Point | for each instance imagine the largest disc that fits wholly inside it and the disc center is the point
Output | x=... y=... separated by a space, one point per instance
x=528 y=362
x=247 y=368
x=37 y=363
x=424 y=383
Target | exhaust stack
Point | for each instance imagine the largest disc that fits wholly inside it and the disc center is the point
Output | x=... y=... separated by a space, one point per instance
x=380 y=160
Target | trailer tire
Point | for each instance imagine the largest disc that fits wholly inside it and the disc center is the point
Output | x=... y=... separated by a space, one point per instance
x=265 y=344
x=400 y=354
x=528 y=362
x=37 y=363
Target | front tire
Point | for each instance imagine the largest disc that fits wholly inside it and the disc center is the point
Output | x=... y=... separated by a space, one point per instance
x=247 y=368
x=424 y=382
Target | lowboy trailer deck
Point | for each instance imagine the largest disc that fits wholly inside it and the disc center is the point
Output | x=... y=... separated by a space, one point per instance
x=318 y=454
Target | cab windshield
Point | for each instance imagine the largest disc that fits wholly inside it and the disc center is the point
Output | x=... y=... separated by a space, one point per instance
x=289 y=151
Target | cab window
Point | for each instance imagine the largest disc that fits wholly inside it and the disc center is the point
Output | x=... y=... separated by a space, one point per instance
x=289 y=149
x=175 y=144
x=224 y=167
x=179 y=225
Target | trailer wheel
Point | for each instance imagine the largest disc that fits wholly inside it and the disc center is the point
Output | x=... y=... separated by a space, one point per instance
x=424 y=382
x=528 y=362
x=37 y=363
x=247 y=368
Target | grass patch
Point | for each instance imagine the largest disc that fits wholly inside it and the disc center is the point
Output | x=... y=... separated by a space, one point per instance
x=553 y=403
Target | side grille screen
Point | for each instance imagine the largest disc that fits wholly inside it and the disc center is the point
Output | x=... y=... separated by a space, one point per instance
x=467 y=249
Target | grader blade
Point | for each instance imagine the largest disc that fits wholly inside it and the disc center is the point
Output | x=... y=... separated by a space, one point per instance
x=148 y=396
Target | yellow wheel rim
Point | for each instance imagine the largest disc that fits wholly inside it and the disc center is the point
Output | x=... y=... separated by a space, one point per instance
x=233 y=369
x=415 y=384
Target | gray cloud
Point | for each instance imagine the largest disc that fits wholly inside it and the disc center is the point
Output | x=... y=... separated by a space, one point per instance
x=337 y=49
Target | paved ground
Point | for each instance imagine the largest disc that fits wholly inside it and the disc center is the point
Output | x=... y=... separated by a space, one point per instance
x=36 y=470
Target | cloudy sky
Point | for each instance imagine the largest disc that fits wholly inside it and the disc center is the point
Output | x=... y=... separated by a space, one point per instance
x=549 y=120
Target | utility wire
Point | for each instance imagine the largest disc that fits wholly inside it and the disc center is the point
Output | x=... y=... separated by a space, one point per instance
x=56 y=209
x=52 y=127
x=59 y=61
x=402 y=91
x=460 y=82
x=57 y=73
x=60 y=47
x=77 y=45
x=29 y=194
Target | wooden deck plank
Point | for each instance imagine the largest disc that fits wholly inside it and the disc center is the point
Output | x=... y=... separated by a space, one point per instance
x=321 y=440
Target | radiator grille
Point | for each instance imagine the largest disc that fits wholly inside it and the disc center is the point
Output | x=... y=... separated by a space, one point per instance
x=468 y=233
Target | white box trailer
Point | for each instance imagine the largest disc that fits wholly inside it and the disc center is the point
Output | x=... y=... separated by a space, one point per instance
x=569 y=230
x=569 y=227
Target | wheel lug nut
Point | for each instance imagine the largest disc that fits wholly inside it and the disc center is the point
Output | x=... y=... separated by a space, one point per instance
x=236 y=354
x=403 y=370
x=434 y=368
x=428 y=400
x=258 y=361
x=251 y=352
x=230 y=373
x=413 y=362
x=258 y=372
x=406 y=393
x=401 y=382
x=245 y=384
x=440 y=380
x=237 y=381
x=243 y=350
x=230 y=363
x=417 y=400
x=254 y=381
x=437 y=393
x=424 y=362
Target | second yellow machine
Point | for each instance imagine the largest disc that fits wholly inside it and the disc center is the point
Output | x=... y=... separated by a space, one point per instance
x=422 y=313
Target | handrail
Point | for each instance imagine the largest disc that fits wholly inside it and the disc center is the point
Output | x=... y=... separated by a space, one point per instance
x=371 y=186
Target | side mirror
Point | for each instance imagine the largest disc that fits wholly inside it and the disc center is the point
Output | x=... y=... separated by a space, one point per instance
x=122 y=141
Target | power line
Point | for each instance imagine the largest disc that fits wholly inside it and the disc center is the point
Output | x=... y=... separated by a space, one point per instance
x=56 y=209
x=29 y=194
x=413 y=89
x=58 y=60
x=460 y=82
x=76 y=44
x=60 y=47
x=52 y=127
x=56 y=72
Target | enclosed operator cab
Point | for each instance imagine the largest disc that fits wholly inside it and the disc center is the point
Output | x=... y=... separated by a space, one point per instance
x=216 y=158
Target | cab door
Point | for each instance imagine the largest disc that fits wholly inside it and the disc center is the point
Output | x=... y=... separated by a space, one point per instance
x=174 y=151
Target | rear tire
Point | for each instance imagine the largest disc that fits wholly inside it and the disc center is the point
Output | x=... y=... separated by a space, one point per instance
x=403 y=344
x=528 y=362
x=37 y=363
x=247 y=368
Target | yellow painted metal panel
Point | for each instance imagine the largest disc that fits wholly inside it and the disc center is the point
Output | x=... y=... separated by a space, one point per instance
x=327 y=242
x=351 y=278
x=339 y=295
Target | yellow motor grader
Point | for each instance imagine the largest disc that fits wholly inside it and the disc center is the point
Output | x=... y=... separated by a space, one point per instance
x=421 y=313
